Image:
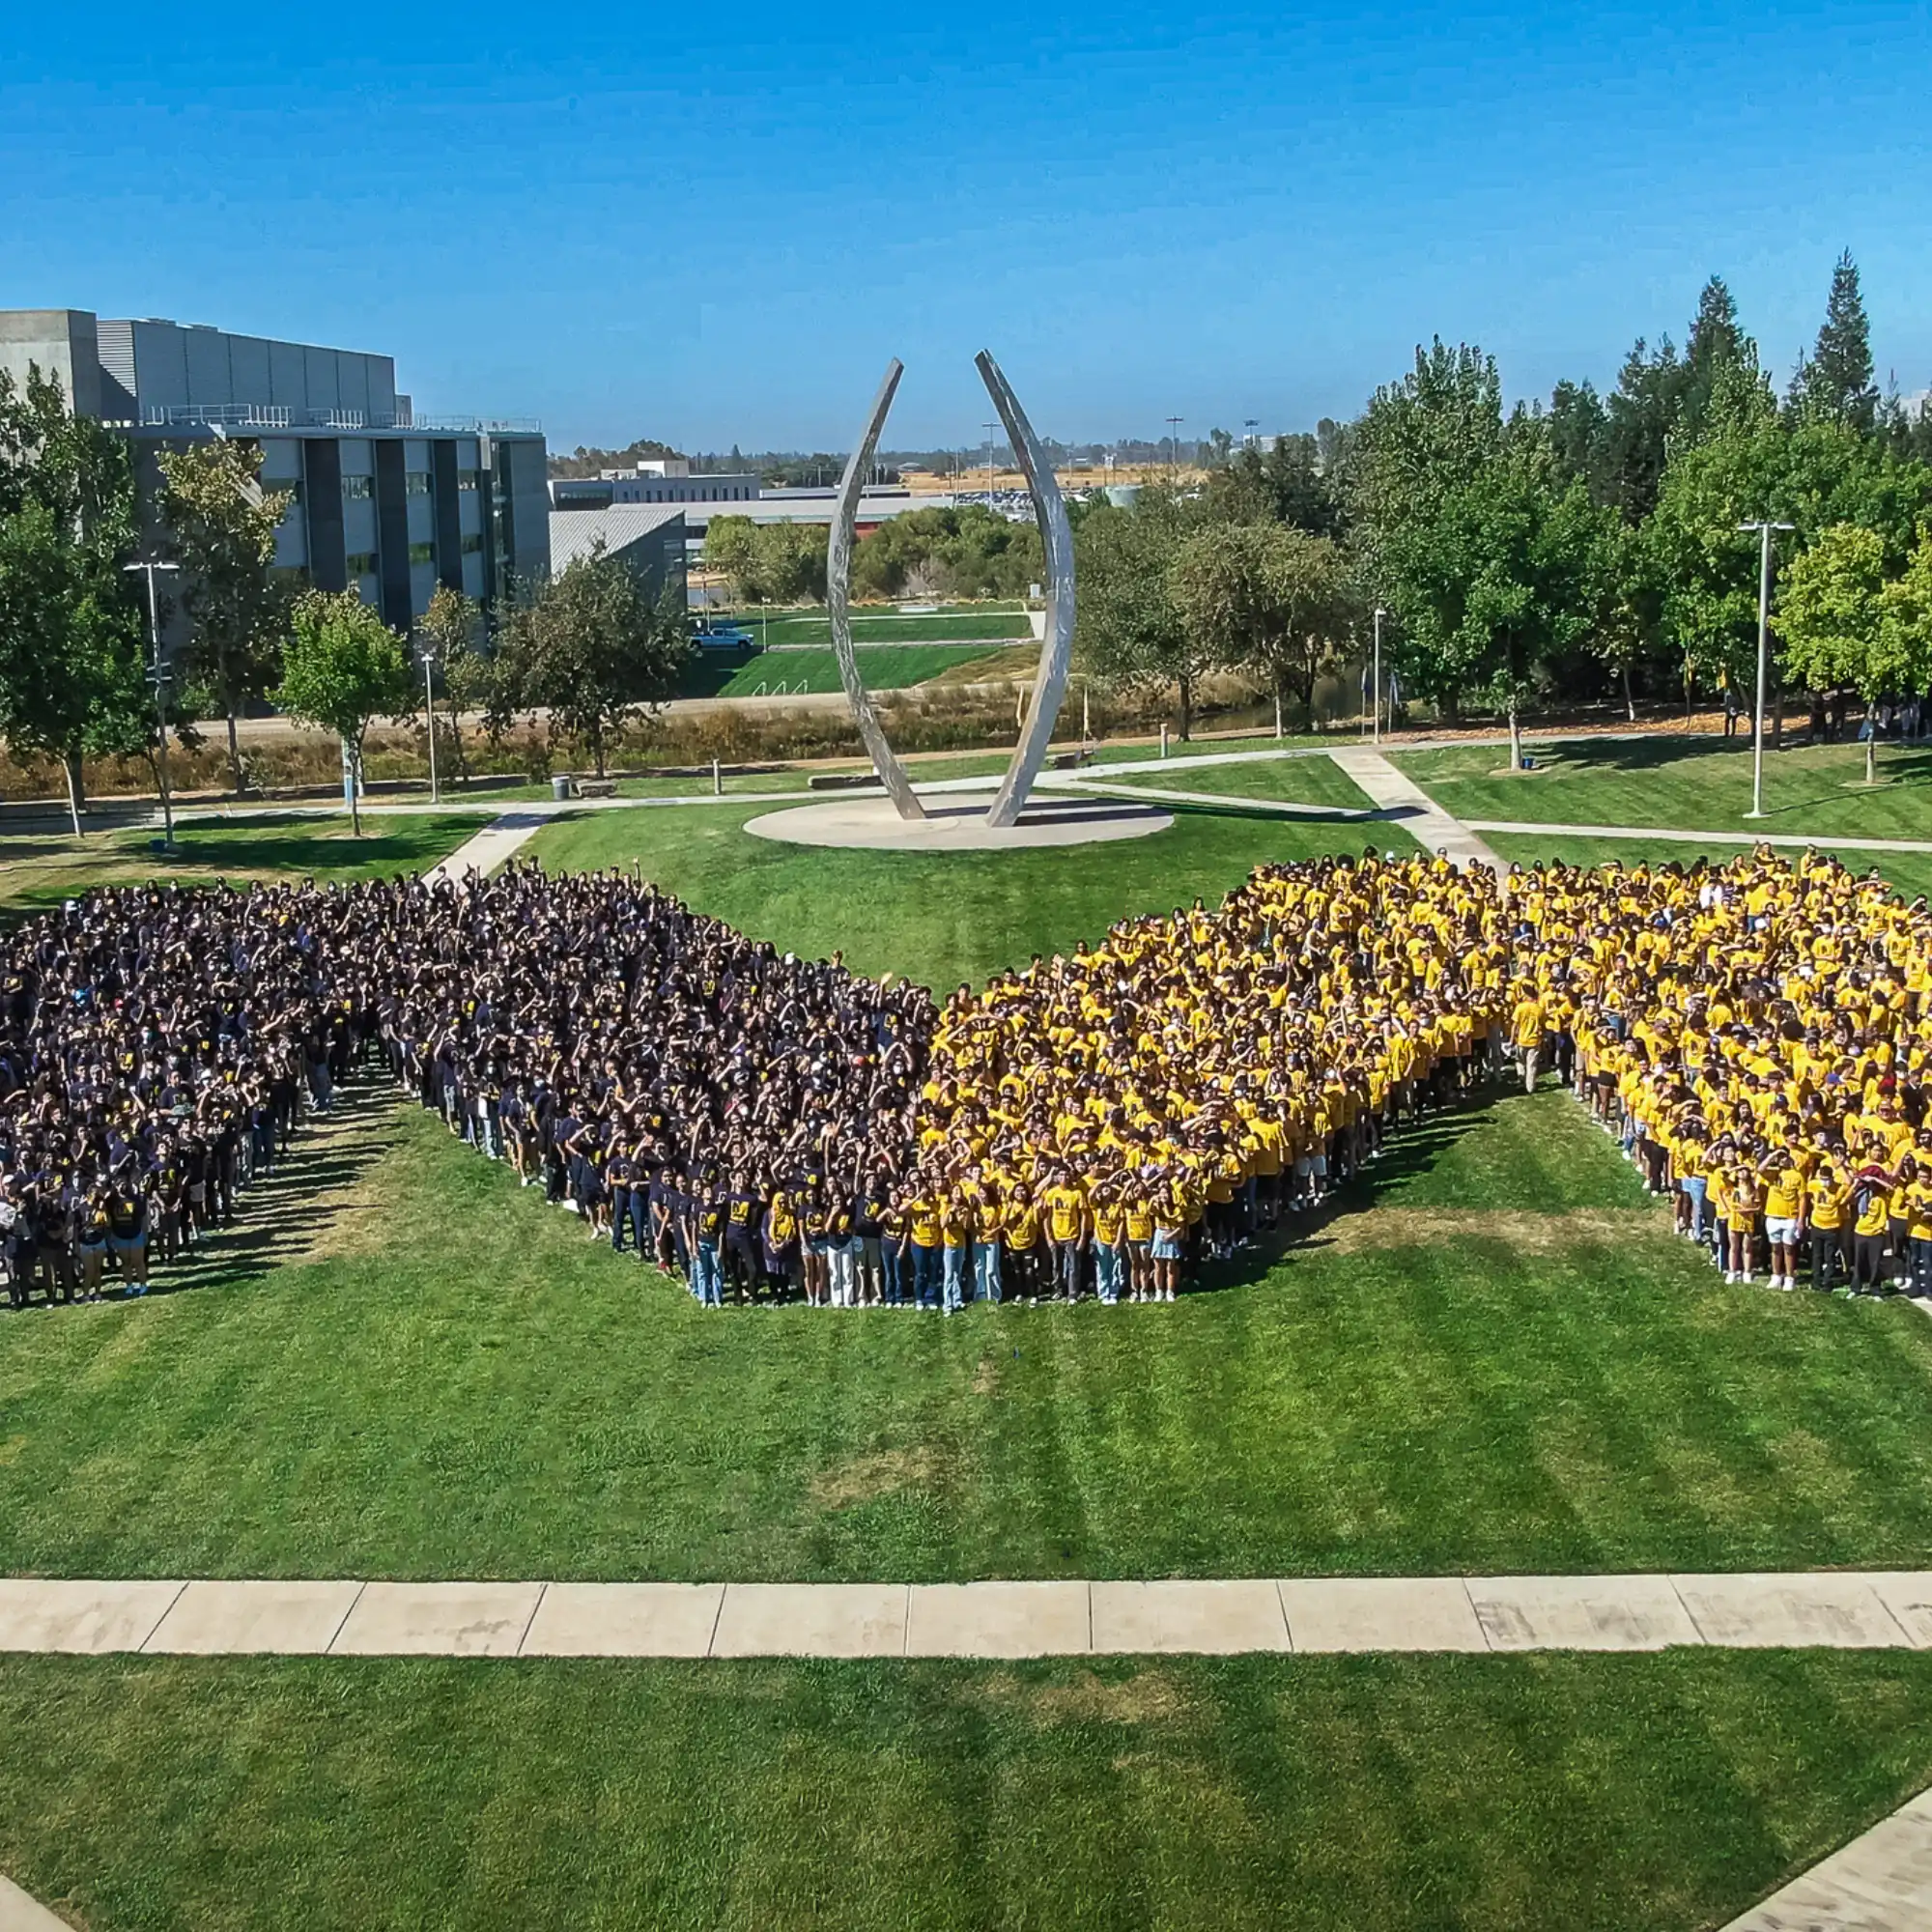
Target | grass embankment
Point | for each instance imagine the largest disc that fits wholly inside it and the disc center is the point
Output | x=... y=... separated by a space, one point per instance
x=1680 y=785
x=41 y=869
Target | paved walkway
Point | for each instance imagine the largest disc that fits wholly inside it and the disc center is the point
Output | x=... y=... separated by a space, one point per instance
x=484 y=851
x=1399 y=795
x=1655 y=833
x=1881 y=1882
x=1838 y=1609
x=20 y=1914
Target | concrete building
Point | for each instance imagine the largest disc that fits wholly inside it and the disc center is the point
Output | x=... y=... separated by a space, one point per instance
x=649 y=538
x=663 y=482
x=386 y=501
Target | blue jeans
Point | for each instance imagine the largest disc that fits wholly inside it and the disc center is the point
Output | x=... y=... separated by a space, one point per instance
x=925 y=1268
x=709 y=1286
x=620 y=1218
x=1696 y=1190
x=985 y=1270
x=896 y=1271
x=955 y=1265
x=1107 y=1271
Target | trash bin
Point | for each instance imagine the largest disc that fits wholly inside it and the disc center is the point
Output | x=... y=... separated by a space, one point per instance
x=561 y=787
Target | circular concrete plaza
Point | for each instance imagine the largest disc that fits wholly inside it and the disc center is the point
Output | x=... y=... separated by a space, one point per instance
x=956 y=822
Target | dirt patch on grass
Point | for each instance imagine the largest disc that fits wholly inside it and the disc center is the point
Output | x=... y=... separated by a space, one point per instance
x=866 y=1478
x=986 y=1376
x=1522 y=1229
x=1146 y=1697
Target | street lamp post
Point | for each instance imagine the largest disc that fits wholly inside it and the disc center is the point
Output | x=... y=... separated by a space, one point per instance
x=160 y=677
x=1380 y=614
x=989 y=428
x=429 y=698
x=1764 y=530
x=1174 y=449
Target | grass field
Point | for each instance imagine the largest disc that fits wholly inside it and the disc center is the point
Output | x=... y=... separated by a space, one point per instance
x=1677 y=783
x=890 y=627
x=42 y=868
x=1299 y=781
x=1617 y=1794
x=886 y=668
x=1495 y=1358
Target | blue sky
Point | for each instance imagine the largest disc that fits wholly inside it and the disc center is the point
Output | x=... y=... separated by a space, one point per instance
x=714 y=224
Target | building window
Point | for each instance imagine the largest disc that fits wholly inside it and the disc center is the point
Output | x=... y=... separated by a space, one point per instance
x=416 y=483
x=423 y=553
x=466 y=480
x=473 y=543
x=358 y=489
x=361 y=563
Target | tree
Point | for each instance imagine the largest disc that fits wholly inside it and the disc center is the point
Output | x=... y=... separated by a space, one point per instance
x=1286 y=483
x=592 y=648
x=776 y=563
x=72 y=672
x=1266 y=598
x=342 y=667
x=1832 y=613
x=1835 y=380
x=450 y=633
x=1131 y=629
x=222 y=525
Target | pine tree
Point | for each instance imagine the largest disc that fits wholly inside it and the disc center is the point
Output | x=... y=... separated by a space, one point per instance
x=1835 y=380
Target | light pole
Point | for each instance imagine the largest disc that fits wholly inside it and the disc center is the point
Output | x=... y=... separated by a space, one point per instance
x=429 y=698
x=1250 y=430
x=1764 y=530
x=989 y=428
x=1174 y=449
x=160 y=677
x=1380 y=614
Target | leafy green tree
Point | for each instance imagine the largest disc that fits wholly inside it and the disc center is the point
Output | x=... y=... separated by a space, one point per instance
x=221 y=526
x=1268 y=599
x=72 y=670
x=592 y=649
x=1131 y=629
x=1831 y=617
x=1835 y=380
x=450 y=633
x=342 y=667
x=1286 y=483
x=773 y=563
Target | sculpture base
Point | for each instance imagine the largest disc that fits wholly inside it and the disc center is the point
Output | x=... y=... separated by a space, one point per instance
x=956 y=822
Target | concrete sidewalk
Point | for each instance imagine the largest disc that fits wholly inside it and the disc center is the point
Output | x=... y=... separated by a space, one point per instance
x=1836 y=1609
x=1881 y=1882
x=1399 y=796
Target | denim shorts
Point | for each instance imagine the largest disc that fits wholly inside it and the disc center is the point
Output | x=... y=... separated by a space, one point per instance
x=1167 y=1245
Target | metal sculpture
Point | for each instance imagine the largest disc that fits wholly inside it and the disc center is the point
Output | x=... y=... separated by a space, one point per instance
x=838 y=598
x=1056 y=537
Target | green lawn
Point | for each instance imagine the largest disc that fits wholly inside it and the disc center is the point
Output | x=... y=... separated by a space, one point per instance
x=41 y=869
x=1297 y=781
x=885 y=667
x=1910 y=872
x=1406 y=1794
x=1677 y=783
x=890 y=627
x=940 y=918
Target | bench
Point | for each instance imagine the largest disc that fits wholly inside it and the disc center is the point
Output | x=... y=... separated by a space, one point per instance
x=596 y=787
x=841 y=780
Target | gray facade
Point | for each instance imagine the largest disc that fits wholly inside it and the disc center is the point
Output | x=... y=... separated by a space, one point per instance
x=384 y=503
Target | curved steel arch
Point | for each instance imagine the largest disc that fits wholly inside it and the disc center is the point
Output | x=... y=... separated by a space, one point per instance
x=1055 y=657
x=1049 y=686
x=838 y=597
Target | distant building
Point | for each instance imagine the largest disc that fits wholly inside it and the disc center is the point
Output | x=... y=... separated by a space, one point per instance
x=667 y=481
x=386 y=501
x=649 y=538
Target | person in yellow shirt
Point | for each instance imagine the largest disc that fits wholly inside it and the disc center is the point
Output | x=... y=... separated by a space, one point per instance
x=922 y=1226
x=1108 y=1216
x=1871 y=1215
x=1020 y=1224
x=1528 y=1023
x=1065 y=1209
x=1742 y=1195
x=1915 y=1173
x=1784 y=1181
x=1826 y=1200
x=1139 y=1215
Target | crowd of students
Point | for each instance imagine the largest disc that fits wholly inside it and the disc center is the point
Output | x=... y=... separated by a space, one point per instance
x=1098 y=1124
x=158 y=1046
